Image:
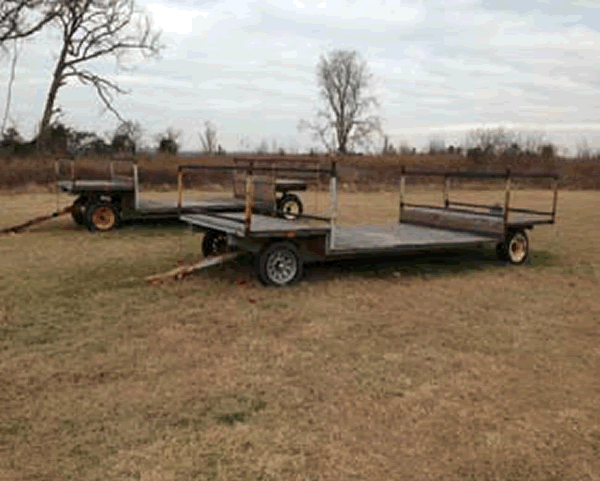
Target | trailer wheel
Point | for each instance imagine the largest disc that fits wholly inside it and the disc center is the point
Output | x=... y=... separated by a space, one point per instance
x=78 y=212
x=214 y=243
x=280 y=264
x=290 y=207
x=102 y=217
x=515 y=249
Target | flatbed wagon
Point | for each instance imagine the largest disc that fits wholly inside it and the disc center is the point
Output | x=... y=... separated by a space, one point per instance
x=101 y=204
x=281 y=246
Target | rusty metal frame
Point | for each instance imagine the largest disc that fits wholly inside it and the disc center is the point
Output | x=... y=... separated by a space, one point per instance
x=251 y=170
x=507 y=176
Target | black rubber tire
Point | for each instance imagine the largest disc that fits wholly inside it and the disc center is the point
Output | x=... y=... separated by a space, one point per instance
x=271 y=272
x=79 y=211
x=287 y=202
x=501 y=252
x=102 y=217
x=214 y=243
x=515 y=248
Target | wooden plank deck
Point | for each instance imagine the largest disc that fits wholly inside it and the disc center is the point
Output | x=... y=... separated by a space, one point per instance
x=394 y=236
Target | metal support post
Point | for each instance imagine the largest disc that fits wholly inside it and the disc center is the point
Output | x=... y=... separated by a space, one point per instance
x=402 y=189
x=179 y=189
x=506 y=198
x=249 y=199
x=333 y=204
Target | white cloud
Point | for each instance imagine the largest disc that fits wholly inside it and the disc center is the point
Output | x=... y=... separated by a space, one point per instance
x=174 y=20
x=250 y=67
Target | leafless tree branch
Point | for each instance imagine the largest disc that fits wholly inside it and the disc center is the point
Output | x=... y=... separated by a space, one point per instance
x=93 y=29
x=23 y=18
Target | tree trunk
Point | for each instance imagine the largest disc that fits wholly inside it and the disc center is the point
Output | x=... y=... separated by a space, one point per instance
x=44 y=137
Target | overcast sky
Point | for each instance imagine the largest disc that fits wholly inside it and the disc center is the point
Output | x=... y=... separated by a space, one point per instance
x=249 y=67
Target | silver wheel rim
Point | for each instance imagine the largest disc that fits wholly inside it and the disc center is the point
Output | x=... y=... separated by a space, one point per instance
x=517 y=248
x=290 y=209
x=282 y=266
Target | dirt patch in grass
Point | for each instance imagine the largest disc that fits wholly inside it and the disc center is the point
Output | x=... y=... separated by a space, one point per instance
x=435 y=367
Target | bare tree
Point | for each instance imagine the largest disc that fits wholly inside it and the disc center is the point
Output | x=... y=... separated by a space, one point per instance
x=405 y=149
x=437 y=145
x=263 y=147
x=92 y=29
x=583 y=150
x=208 y=137
x=243 y=143
x=500 y=141
x=23 y=18
x=388 y=147
x=492 y=141
x=344 y=81
x=127 y=137
x=531 y=143
x=168 y=142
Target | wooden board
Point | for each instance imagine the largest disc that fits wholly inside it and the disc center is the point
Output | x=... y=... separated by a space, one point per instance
x=446 y=219
x=393 y=236
x=469 y=221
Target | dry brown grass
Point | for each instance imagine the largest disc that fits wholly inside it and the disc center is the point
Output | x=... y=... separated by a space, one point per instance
x=433 y=368
x=158 y=170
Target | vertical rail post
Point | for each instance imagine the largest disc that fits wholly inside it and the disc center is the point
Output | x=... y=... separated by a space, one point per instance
x=506 y=198
x=179 y=189
x=136 y=187
x=333 y=204
x=402 y=188
x=112 y=170
x=555 y=198
x=274 y=175
x=57 y=172
x=318 y=187
x=446 y=190
x=72 y=174
x=249 y=199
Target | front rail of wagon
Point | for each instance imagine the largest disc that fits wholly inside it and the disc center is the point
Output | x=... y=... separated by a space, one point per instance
x=251 y=172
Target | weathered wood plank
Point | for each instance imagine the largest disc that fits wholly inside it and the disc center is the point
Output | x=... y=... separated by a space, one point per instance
x=446 y=219
x=390 y=236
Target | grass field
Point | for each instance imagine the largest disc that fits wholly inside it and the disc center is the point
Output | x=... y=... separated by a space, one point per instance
x=452 y=367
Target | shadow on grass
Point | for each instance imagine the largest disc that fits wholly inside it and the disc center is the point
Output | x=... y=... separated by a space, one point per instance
x=154 y=227
x=420 y=264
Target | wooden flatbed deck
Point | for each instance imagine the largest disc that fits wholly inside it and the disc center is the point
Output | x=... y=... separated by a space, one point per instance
x=355 y=239
x=397 y=237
